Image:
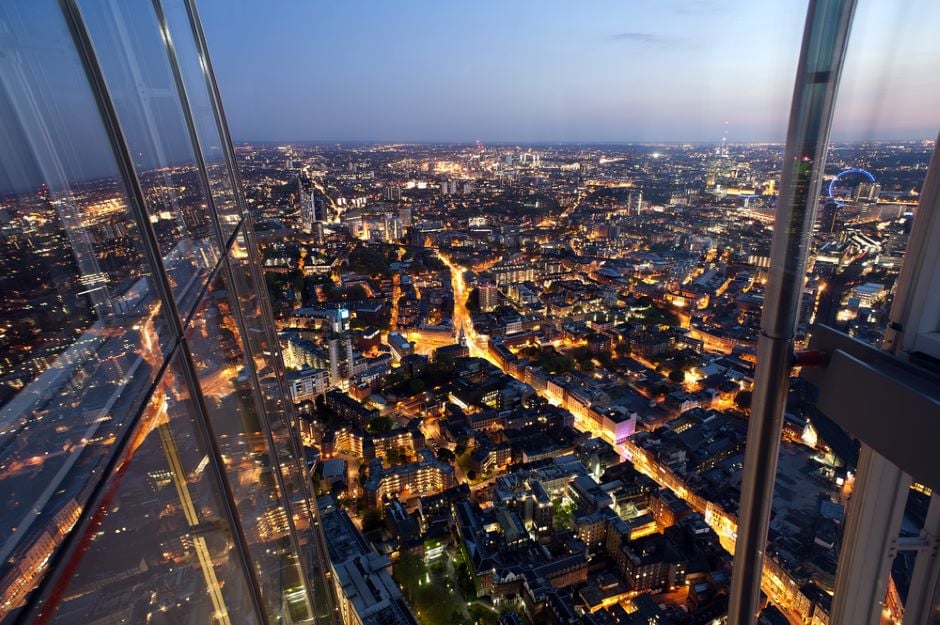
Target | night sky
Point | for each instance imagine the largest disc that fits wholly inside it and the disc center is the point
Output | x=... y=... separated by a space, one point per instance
x=420 y=71
x=532 y=71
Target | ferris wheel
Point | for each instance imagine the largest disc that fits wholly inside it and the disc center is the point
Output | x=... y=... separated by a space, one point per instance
x=848 y=172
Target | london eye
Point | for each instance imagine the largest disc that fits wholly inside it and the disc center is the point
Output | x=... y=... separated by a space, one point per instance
x=854 y=171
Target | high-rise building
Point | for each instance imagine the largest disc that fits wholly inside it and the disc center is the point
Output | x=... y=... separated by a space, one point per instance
x=341 y=357
x=867 y=191
x=312 y=212
x=150 y=464
x=404 y=215
x=393 y=228
x=828 y=217
x=635 y=203
x=489 y=296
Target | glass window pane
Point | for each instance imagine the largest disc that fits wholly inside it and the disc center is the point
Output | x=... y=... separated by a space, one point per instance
x=81 y=332
x=218 y=351
x=160 y=550
x=200 y=103
x=133 y=58
x=269 y=366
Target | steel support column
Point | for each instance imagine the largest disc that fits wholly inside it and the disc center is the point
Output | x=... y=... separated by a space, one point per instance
x=922 y=596
x=870 y=540
x=824 y=42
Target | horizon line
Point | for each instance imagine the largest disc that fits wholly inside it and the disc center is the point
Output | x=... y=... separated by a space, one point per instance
x=473 y=142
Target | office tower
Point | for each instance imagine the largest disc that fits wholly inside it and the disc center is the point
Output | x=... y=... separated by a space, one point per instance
x=151 y=467
x=308 y=205
x=635 y=203
x=393 y=228
x=319 y=218
x=312 y=211
x=340 y=346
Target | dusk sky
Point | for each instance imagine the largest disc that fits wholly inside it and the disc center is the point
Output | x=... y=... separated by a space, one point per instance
x=525 y=71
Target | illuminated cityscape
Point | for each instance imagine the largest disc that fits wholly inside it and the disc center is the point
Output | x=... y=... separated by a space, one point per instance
x=486 y=381
x=572 y=331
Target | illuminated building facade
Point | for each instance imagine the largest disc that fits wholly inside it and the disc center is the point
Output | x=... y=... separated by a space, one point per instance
x=427 y=476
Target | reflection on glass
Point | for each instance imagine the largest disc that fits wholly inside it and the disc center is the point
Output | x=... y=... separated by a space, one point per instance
x=227 y=385
x=200 y=103
x=269 y=368
x=130 y=49
x=81 y=333
x=159 y=550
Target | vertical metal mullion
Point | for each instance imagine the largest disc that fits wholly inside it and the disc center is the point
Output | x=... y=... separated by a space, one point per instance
x=232 y=166
x=228 y=149
x=229 y=154
x=161 y=284
x=291 y=418
x=264 y=422
x=229 y=277
x=190 y=122
x=825 y=38
x=268 y=313
x=321 y=550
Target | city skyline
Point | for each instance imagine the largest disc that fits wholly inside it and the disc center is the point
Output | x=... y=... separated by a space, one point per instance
x=674 y=72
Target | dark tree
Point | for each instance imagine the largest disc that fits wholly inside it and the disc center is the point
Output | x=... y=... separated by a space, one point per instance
x=371 y=520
